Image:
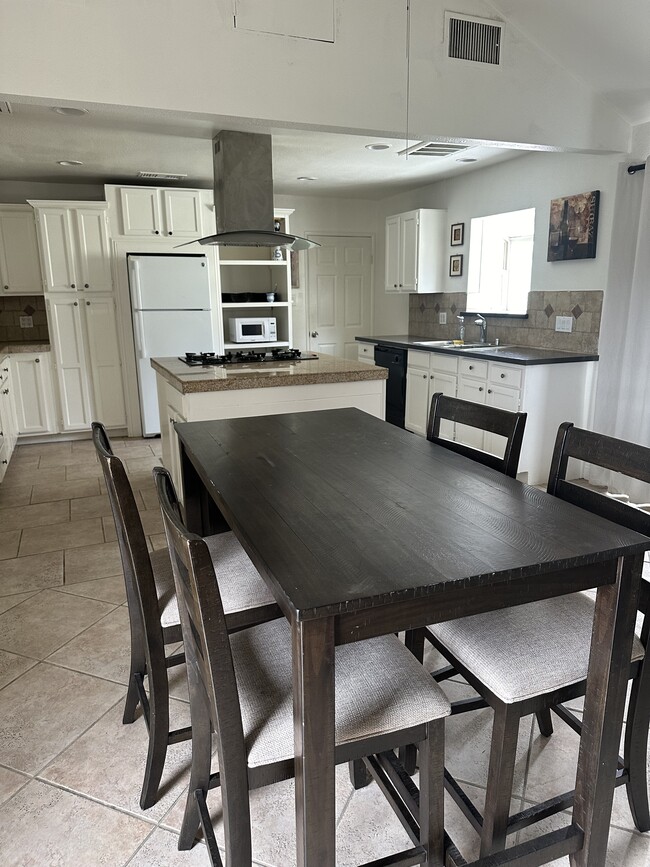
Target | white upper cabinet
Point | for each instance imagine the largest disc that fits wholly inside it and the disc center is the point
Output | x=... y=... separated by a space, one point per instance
x=74 y=244
x=20 y=270
x=155 y=212
x=415 y=251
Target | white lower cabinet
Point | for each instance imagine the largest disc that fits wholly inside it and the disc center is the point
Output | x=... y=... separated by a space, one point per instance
x=34 y=394
x=8 y=427
x=83 y=332
x=548 y=393
x=366 y=352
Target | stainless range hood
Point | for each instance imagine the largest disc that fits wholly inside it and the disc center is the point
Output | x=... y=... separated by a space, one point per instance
x=243 y=194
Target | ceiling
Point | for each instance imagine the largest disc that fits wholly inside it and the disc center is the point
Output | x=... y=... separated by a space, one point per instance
x=601 y=43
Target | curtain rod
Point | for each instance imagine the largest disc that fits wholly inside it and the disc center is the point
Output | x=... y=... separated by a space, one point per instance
x=631 y=170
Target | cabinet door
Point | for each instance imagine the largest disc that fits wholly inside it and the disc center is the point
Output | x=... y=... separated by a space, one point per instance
x=182 y=209
x=417 y=400
x=20 y=270
x=94 y=250
x=104 y=357
x=140 y=211
x=66 y=336
x=408 y=281
x=474 y=390
x=33 y=394
x=445 y=383
x=57 y=249
x=392 y=254
x=502 y=398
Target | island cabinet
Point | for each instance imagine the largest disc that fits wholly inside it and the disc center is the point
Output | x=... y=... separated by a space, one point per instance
x=415 y=251
x=20 y=270
x=548 y=393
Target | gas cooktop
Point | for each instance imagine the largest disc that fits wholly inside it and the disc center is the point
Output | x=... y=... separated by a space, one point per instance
x=200 y=359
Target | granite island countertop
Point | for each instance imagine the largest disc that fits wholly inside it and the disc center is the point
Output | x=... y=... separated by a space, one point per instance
x=324 y=369
x=525 y=355
x=10 y=347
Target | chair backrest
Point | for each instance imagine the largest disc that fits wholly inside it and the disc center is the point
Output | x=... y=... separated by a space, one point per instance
x=487 y=418
x=210 y=670
x=142 y=598
x=628 y=459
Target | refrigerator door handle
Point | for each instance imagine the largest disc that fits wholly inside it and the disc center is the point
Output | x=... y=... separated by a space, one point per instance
x=134 y=280
x=138 y=333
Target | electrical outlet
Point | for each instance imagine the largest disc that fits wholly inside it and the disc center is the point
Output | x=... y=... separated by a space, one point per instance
x=26 y=321
x=442 y=318
x=564 y=323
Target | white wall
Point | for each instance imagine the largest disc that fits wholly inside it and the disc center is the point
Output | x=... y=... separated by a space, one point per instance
x=188 y=57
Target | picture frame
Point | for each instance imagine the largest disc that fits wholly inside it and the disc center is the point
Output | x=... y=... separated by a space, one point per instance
x=457 y=235
x=456 y=265
x=573 y=227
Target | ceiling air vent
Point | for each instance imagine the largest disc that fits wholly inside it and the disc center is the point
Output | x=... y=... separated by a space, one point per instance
x=432 y=149
x=161 y=176
x=475 y=39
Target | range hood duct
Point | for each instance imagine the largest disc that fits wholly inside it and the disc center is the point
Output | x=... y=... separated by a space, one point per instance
x=243 y=194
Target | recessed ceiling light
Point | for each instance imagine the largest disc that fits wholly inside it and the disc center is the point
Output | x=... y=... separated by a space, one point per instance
x=377 y=147
x=69 y=110
x=305 y=178
x=467 y=160
x=69 y=163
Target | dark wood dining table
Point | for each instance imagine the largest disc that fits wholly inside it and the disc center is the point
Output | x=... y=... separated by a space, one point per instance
x=363 y=529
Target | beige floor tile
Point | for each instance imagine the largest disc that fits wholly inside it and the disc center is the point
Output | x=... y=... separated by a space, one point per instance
x=151 y=524
x=9 y=544
x=103 y=649
x=140 y=465
x=23 y=460
x=150 y=498
x=35 y=572
x=83 y=471
x=11 y=497
x=75 y=534
x=158 y=540
x=107 y=589
x=48 y=620
x=92 y=561
x=161 y=850
x=59 y=449
x=43 y=514
x=45 y=825
x=107 y=763
x=83 y=447
x=137 y=451
x=10 y=782
x=90 y=507
x=46 y=493
x=12 y=666
x=7 y=602
x=68 y=459
x=18 y=475
x=44 y=710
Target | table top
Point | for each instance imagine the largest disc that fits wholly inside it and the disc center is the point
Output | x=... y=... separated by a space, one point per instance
x=341 y=511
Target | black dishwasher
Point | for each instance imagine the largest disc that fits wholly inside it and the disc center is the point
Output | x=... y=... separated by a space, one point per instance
x=395 y=362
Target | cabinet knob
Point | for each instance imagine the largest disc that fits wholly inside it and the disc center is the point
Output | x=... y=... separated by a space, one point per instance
x=170 y=233
x=5 y=462
x=400 y=286
x=156 y=232
x=72 y=286
x=424 y=376
x=5 y=370
x=503 y=376
x=5 y=391
x=314 y=334
x=6 y=287
x=86 y=285
x=37 y=361
x=480 y=388
x=87 y=303
x=471 y=367
x=394 y=285
x=76 y=303
x=489 y=391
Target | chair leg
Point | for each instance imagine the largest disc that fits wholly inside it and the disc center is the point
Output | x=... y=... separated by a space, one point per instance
x=158 y=737
x=545 y=722
x=132 y=699
x=503 y=752
x=199 y=780
x=359 y=776
x=413 y=641
x=432 y=767
x=636 y=747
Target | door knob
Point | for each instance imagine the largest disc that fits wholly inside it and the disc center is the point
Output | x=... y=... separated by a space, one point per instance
x=37 y=361
x=314 y=334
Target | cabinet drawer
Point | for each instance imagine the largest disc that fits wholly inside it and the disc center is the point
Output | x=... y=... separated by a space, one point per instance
x=443 y=363
x=367 y=352
x=473 y=367
x=505 y=374
x=418 y=359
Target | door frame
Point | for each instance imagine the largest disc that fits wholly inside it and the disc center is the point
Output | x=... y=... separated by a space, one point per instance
x=333 y=234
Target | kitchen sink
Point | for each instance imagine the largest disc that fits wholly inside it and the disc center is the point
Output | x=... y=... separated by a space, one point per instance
x=434 y=342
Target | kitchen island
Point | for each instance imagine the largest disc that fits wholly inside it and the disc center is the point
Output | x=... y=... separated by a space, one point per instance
x=239 y=390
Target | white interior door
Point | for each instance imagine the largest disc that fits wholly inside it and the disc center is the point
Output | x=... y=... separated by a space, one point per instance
x=340 y=294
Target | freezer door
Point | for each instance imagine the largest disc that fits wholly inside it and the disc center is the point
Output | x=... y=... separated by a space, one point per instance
x=169 y=282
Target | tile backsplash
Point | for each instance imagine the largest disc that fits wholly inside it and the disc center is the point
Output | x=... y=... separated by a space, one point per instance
x=12 y=307
x=538 y=329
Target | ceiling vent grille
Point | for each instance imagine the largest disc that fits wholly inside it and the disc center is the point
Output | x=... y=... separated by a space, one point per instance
x=161 y=176
x=475 y=39
x=5 y=107
x=432 y=149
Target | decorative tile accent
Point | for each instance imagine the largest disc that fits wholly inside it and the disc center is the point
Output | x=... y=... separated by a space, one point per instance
x=437 y=308
x=453 y=309
x=577 y=311
x=29 y=310
x=549 y=311
x=422 y=308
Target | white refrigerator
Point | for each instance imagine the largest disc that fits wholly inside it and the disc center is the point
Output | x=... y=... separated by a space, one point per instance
x=170 y=305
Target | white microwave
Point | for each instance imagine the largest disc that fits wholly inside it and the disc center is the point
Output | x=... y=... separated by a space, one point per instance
x=253 y=329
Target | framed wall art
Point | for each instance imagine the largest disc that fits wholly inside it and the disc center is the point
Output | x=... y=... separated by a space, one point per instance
x=456 y=265
x=573 y=227
x=457 y=238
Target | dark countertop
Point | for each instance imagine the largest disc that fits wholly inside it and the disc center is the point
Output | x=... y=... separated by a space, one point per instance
x=511 y=354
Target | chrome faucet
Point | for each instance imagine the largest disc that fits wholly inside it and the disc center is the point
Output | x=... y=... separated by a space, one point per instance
x=461 y=327
x=482 y=322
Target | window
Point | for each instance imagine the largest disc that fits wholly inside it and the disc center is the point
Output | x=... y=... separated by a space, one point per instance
x=500 y=262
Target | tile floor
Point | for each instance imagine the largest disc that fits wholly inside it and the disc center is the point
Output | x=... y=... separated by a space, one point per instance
x=70 y=772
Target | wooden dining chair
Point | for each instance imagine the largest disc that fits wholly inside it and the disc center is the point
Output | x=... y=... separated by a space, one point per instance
x=153 y=610
x=486 y=418
x=534 y=658
x=241 y=688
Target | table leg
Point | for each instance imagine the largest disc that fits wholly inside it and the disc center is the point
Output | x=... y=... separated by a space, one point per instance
x=313 y=702
x=609 y=665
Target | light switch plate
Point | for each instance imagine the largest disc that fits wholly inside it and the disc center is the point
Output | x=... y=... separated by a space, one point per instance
x=564 y=323
x=26 y=322
x=442 y=318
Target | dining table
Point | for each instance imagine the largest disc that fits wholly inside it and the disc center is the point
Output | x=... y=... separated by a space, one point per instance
x=361 y=529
